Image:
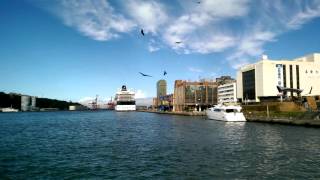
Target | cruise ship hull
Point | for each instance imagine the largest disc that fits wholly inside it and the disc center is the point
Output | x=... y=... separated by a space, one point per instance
x=125 y=107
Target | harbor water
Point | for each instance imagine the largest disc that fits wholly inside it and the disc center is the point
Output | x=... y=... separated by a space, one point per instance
x=137 y=145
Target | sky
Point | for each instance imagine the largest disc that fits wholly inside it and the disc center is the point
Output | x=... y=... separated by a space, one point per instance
x=77 y=49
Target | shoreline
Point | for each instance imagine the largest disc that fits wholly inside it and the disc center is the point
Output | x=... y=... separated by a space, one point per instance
x=285 y=121
x=258 y=119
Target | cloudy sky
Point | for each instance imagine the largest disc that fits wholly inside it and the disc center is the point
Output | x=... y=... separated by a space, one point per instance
x=75 y=49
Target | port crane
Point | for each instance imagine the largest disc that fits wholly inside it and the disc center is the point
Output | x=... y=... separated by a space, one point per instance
x=94 y=103
x=110 y=104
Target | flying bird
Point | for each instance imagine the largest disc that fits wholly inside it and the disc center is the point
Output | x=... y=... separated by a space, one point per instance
x=142 y=32
x=310 y=90
x=178 y=42
x=199 y=2
x=164 y=73
x=145 y=74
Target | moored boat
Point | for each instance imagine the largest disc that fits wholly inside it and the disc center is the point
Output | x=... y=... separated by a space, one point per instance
x=230 y=113
x=9 y=109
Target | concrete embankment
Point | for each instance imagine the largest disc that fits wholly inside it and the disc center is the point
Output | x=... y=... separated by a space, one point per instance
x=298 y=122
x=290 y=118
x=308 y=119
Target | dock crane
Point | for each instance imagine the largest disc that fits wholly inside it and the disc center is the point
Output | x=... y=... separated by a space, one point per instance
x=94 y=103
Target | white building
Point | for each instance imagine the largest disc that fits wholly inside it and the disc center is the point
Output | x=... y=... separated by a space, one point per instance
x=28 y=103
x=259 y=81
x=25 y=103
x=227 y=93
x=76 y=108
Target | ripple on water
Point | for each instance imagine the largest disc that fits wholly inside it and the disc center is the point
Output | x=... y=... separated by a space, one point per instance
x=105 y=145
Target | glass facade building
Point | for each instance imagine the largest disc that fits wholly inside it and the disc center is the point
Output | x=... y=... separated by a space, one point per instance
x=191 y=96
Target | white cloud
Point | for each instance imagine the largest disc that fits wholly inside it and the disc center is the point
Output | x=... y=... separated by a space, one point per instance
x=249 y=46
x=239 y=27
x=196 y=70
x=144 y=101
x=140 y=94
x=199 y=27
x=94 y=18
x=214 y=44
x=303 y=16
x=224 y=8
x=148 y=14
x=153 y=46
x=273 y=19
x=86 y=99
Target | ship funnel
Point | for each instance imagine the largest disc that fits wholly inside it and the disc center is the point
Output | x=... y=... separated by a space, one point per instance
x=124 y=88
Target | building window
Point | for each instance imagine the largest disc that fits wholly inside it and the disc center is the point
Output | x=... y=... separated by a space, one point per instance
x=190 y=94
x=248 y=82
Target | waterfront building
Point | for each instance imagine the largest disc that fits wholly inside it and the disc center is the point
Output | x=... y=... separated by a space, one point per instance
x=161 y=88
x=77 y=108
x=33 y=102
x=25 y=103
x=165 y=102
x=227 y=93
x=28 y=103
x=225 y=80
x=155 y=103
x=161 y=91
x=190 y=96
x=258 y=81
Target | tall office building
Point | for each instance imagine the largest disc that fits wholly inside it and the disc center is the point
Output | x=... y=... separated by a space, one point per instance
x=161 y=88
x=259 y=81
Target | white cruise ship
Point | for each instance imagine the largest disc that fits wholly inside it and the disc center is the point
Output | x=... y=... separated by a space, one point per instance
x=226 y=113
x=125 y=100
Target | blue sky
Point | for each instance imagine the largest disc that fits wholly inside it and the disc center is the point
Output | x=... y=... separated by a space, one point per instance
x=73 y=50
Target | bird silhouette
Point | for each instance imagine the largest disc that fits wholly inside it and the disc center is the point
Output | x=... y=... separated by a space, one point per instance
x=199 y=2
x=142 y=32
x=310 y=90
x=178 y=42
x=145 y=74
x=164 y=73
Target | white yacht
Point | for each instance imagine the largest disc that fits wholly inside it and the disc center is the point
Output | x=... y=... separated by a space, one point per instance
x=230 y=113
x=125 y=100
x=9 y=109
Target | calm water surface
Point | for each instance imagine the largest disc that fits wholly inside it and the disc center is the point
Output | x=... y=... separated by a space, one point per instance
x=134 y=145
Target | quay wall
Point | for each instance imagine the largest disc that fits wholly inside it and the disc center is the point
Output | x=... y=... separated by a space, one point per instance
x=311 y=119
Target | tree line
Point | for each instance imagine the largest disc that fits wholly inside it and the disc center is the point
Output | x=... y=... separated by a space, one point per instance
x=14 y=100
